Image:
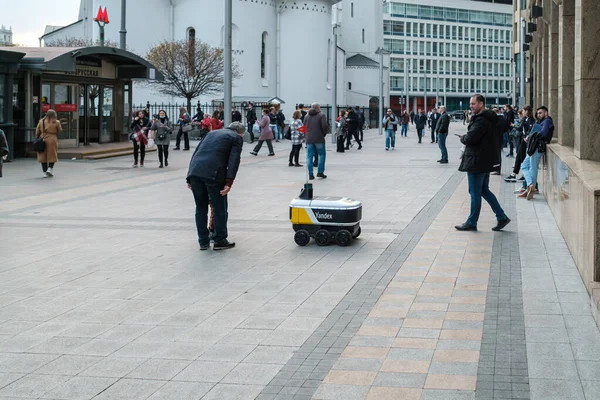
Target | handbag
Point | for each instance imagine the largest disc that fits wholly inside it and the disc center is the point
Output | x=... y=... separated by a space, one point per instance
x=39 y=146
x=152 y=134
x=256 y=128
x=186 y=128
x=162 y=136
x=288 y=133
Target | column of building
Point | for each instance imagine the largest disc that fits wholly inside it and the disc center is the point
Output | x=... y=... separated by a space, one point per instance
x=553 y=62
x=566 y=72
x=587 y=79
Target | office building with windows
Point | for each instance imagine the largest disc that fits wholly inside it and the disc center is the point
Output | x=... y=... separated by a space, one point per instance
x=6 y=35
x=445 y=51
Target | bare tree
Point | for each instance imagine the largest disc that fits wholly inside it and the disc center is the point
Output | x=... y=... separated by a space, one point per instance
x=191 y=68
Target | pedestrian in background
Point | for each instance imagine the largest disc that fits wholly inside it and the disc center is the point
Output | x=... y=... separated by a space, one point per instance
x=280 y=122
x=435 y=117
x=441 y=129
x=139 y=128
x=266 y=134
x=405 y=121
x=390 y=125
x=236 y=116
x=48 y=129
x=251 y=119
x=420 y=122
x=215 y=122
x=297 y=139
x=184 y=122
x=479 y=159
x=361 y=122
x=317 y=128
x=353 y=122
x=163 y=128
x=341 y=131
x=3 y=149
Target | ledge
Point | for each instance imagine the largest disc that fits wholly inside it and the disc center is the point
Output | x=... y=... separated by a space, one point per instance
x=587 y=171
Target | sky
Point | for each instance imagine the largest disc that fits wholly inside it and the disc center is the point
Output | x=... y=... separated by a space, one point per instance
x=28 y=18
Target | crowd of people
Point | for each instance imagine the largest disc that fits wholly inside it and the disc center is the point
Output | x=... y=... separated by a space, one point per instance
x=215 y=162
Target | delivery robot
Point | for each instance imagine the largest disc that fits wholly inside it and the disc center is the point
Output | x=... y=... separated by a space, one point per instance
x=325 y=219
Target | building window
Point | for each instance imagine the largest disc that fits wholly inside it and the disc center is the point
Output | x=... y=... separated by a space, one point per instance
x=349 y=85
x=363 y=36
x=352 y=10
x=263 y=56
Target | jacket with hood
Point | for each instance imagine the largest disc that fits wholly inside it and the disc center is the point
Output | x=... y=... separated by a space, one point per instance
x=481 y=144
x=317 y=127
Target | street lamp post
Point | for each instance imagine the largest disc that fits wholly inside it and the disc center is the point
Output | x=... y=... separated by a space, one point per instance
x=227 y=87
x=334 y=74
x=123 y=31
x=381 y=51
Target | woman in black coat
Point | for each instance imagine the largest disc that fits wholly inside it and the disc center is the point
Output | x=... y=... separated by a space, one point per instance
x=353 y=122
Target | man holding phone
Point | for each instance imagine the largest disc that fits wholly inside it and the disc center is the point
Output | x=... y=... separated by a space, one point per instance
x=479 y=159
x=442 y=127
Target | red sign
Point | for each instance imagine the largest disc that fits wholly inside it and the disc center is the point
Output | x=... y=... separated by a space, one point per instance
x=102 y=15
x=45 y=107
x=65 y=107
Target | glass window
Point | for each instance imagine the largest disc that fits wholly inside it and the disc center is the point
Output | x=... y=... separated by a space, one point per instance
x=408 y=28
x=421 y=48
x=448 y=31
x=263 y=56
x=425 y=12
x=435 y=48
x=438 y=13
x=450 y=14
x=454 y=31
x=460 y=33
x=435 y=31
x=398 y=28
x=421 y=30
x=453 y=49
x=412 y=10
x=428 y=48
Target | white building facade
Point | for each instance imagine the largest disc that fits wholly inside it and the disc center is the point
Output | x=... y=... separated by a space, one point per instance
x=446 y=50
x=284 y=48
x=6 y=35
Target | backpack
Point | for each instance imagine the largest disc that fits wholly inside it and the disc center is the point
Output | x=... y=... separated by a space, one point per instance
x=288 y=133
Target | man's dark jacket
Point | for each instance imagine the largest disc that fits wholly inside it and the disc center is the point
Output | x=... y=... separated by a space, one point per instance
x=251 y=116
x=481 y=151
x=420 y=121
x=236 y=116
x=435 y=117
x=443 y=123
x=217 y=159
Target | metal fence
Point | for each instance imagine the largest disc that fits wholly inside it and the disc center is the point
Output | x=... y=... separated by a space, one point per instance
x=371 y=113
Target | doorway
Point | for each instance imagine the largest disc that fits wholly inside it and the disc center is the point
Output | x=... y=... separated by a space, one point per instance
x=61 y=97
x=96 y=109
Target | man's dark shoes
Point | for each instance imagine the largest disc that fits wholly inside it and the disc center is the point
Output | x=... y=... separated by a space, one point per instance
x=290 y=165
x=315 y=165
x=443 y=161
x=501 y=225
x=204 y=247
x=311 y=177
x=224 y=245
x=466 y=227
x=298 y=165
x=271 y=154
x=321 y=175
x=510 y=179
x=176 y=148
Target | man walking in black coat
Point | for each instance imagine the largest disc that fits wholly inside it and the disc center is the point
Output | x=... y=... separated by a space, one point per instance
x=435 y=117
x=479 y=159
x=251 y=119
x=441 y=128
x=212 y=170
x=420 y=121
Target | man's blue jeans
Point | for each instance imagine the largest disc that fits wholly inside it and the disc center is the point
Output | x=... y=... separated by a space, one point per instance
x=442 y=145
x=404 y=130
x=206 y=191
x=530 y=168
x=319 y=148
x=390 y=138
x=478 y=188
x=275 y=130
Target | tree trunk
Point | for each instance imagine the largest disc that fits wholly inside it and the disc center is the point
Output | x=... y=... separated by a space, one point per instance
x=189 y=105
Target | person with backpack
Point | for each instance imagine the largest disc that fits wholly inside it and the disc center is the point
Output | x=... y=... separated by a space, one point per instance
x=390 y=125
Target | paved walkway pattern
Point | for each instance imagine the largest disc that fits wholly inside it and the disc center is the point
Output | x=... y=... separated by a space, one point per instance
x=104 y=294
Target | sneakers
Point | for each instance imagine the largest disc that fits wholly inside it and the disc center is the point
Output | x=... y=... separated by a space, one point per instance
x=311 y=177
x=298 y=165
x=160 y=166
x=501 y=225
x=443 y=161
x=393 y=148
x=530 y=192
x=49 y=173
x=204 y=247
x=135 y=165
x=253 y=153
x=387 y=149
x=224 y=245
x=465 y=227
x=510 y=179
x=522 y=178
x=321 y=175
x=290 y=164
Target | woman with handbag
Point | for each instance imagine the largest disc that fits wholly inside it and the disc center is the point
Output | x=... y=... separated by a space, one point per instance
x=47 y=130
x=139 y=127
x=266 y=134
x=185 y=125
x=163 y=128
